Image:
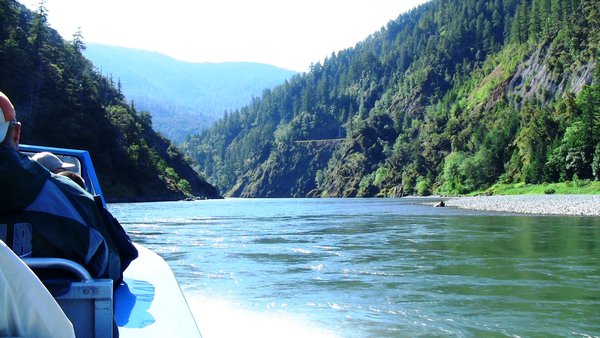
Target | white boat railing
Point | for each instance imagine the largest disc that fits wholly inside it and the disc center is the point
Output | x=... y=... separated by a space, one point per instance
x=58 y=263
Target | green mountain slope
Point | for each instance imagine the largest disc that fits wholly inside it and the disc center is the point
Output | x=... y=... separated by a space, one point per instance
x=183 y=98
x=62 y=101
x=451 y=97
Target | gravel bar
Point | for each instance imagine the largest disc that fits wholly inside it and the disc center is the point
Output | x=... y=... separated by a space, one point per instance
x=580 y=205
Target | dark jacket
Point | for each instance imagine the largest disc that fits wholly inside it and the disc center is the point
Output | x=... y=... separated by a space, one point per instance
x=65 y=221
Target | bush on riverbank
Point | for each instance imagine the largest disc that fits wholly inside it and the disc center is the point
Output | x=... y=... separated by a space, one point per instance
x=577 y=187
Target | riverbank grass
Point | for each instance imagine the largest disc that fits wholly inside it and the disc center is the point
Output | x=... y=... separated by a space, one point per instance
x=576 y=187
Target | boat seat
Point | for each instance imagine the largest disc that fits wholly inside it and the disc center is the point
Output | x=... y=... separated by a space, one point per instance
x=87 y=302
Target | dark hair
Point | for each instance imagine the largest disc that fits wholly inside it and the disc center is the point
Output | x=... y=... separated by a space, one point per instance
x=75 y=177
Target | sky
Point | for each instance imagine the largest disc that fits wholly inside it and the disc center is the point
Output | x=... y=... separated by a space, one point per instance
x=284 y=33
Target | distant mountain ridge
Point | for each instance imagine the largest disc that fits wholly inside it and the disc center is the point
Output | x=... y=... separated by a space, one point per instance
x=183 y=97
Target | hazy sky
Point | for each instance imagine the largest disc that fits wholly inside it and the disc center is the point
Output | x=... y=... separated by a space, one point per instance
x=284 y=33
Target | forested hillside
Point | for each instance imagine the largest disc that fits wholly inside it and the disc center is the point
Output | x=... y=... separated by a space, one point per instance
x=63 y=101
x=451 y=97
x=184 y=98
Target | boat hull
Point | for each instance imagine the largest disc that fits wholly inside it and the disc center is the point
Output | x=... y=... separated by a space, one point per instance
x=150 y=303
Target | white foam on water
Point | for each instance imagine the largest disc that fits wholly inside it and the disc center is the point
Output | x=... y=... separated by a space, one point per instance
x=220 y=318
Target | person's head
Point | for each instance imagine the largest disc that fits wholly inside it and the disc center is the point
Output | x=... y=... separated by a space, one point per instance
x=75 y=177
x=51 y=162
x=10 y=128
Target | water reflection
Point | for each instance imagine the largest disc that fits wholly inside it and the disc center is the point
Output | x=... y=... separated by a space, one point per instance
x=132 y=301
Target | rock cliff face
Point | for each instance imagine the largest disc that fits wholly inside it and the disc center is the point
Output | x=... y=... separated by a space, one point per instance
x=537 y=78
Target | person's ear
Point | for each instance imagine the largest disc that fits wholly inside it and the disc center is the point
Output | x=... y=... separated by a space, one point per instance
x=16 y=134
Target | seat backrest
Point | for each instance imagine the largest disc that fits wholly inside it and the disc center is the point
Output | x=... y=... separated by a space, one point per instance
x=88 y=303
x=18 y=236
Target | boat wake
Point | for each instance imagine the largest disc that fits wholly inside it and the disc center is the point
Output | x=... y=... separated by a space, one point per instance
x=217 y=317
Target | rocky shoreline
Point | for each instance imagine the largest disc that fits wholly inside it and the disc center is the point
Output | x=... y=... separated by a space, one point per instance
x=579 y=205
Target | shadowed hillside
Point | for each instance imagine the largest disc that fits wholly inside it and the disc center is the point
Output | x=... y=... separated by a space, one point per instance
x=63 y=101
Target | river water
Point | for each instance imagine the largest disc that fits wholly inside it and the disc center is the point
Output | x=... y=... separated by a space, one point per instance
x=374 y=268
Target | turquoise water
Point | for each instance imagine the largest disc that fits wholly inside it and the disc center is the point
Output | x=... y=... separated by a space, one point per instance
x=374 y=268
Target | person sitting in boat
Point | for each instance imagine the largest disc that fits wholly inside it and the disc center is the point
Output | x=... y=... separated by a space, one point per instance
x=64 y=219
x=52 y=162
x=122 y=241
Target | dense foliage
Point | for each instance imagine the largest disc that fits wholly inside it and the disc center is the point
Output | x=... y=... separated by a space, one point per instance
x=451 y=97
x=62 y=101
